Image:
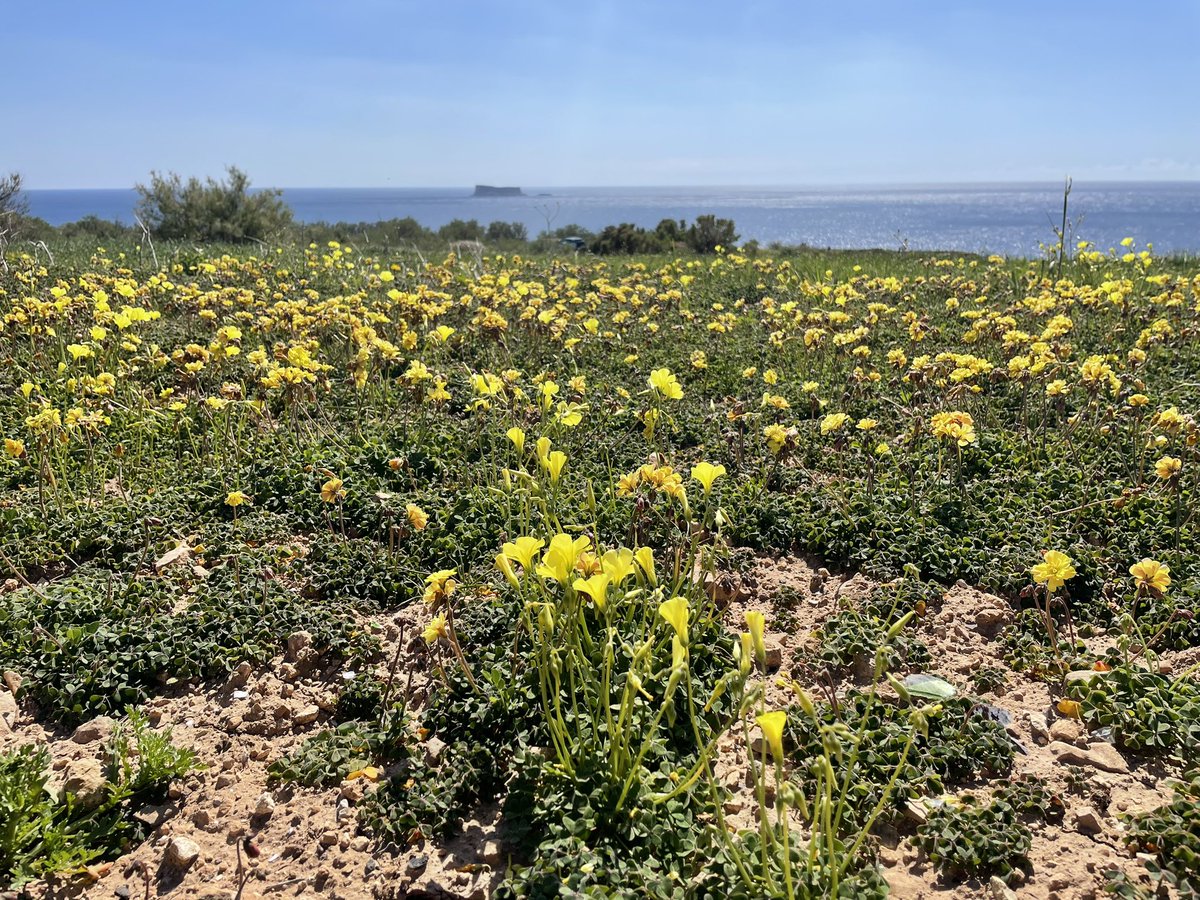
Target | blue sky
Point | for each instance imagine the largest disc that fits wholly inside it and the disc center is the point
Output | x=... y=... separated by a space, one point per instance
x=585 y=92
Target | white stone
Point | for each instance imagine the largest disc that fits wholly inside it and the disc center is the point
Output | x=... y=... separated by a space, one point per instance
x=181 y=853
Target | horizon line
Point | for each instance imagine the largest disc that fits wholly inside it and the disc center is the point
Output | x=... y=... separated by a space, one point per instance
x=712 y=186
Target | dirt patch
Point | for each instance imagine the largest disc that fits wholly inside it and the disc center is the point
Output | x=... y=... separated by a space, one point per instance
x=304 y=841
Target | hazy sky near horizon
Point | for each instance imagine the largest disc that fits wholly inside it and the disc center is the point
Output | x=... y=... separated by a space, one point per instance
x=600 y=92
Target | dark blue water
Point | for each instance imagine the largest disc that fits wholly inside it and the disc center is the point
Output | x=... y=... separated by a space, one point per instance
x=1002 y=218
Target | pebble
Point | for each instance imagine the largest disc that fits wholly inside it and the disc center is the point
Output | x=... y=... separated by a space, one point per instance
x=1088 y=821
x=492 y=854
x=1099 y=754
x=360 y=843
x=225 y=780
x=417 y=863
x=85 y=780
x=182 y=553
x=264 y=807
x=12 y=681
x=307 y=715
x=297 y=643
x=1069 y=731
x=181 y=853
x=329 y=838
x=123 y=892
x=991 y=619
x=774 y=654
x=352 y=791
x=1000 y=890
x=435 y=747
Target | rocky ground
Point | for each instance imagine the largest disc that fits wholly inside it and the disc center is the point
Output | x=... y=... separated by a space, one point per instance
x=227 y=832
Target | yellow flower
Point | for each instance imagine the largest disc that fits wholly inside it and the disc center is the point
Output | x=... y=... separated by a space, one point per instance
x=587 y=563
x=595 y=587
x=1054 y=570
x=395 y=463
x=618 y=564
x=675 y=613
x=522 y=550
x=665 y=384
x=1168 y=467
x=14 y=448
x=772 y=725
x=571 y=414
x=371 y=773
x=957 y=427
x=436 y=629
x=867 y=425
x=504 y=564
x=517 y=437
x=559 y=559
x=417 y=517
x=706 y=473
x=834 y=422
x=644 y=557
x=1169 y=420
x=416 y=372
x=332 y=490
x=1153 y=576
x=776 y=437
x=236 y=499
x=757 y=624
x=553 y=463
x=440 y=586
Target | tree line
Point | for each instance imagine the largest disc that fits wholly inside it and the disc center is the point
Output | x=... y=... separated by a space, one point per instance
x=227 y=211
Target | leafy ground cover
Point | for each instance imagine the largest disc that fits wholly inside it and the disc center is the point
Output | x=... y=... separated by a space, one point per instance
x=499 y=520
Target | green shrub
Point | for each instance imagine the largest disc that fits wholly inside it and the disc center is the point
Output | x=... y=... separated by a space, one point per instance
x=223 y=211
x=42 y=833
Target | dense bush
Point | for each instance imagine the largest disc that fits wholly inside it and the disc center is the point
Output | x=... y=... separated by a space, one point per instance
x=221 y=211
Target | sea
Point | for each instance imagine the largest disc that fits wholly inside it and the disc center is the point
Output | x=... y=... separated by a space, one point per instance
x=1008 y=219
